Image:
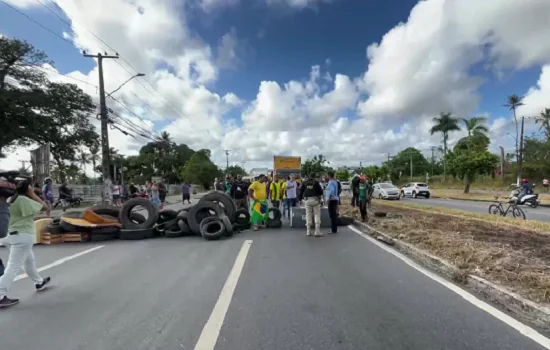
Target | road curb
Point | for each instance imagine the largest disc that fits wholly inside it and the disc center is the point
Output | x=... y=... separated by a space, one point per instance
x=479 y=200
x=523 y=309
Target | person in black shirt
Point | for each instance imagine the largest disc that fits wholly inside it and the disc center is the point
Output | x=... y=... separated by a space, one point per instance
x=312 y=192
x=355 y=190
x=238 y=192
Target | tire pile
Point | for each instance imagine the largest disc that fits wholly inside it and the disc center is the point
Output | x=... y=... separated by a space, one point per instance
x=213 y=217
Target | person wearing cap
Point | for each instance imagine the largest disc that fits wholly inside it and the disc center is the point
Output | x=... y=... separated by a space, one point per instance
x=258 y=198
x=312 y=193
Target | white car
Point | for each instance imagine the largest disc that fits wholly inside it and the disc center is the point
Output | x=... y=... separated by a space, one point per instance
x=346 y=186
x=385 y=191
x=415 y=189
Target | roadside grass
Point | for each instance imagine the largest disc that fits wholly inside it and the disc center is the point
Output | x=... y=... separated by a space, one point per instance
x=488 y=196
x=512 y=253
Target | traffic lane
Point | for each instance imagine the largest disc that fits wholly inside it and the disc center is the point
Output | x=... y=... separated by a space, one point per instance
x=343 y=292
x=151 y=294
x=539 y=214
x=48 y=254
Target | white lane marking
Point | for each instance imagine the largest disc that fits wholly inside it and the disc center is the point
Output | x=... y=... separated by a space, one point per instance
x=520 y=327
x=61 y=261
x=211 y=331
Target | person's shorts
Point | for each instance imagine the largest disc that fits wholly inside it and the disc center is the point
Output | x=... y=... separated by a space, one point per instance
x=116 y=196
x=186 y=196
x=545 y=185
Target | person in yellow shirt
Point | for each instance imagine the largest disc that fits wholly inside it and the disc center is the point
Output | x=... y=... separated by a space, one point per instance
x=275 y=192
x=258 y=197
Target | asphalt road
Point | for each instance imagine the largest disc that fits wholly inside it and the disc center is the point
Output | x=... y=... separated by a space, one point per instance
x=539 y=213
x=294 y=292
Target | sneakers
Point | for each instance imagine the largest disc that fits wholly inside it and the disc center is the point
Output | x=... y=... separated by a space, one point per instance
x=309 y=234
x=43 y=285
x=7 y=302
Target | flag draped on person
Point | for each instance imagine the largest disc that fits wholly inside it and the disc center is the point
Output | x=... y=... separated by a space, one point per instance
x=258 y=212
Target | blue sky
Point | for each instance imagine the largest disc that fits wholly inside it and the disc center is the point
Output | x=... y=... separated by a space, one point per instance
x=281 y=43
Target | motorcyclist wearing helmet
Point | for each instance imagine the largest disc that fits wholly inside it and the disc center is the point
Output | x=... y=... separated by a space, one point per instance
x=526 y=186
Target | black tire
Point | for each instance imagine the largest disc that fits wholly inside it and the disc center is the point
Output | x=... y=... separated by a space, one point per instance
x=518 y=213
x=172 y=224
x=276 y=214
x=68 y=227
x=227 y=225
x=173 y=233
x=183 y=215
x=201 y=211
x=109 y=217
x=427 y=196
x=56 y=220
x=274 y=223
x=105 y=209
x=125 y=214
x=167 y=215
x=102 y=237
x=72 y=214
x=212 y=229
x=242 y=217
x=345 y=221
x=137 y=218
x=107 y=230
x=414 y=194
x=495 y=209
x=55 y=229
x=184 y=210
x=135 y=235
x=182 y=224
x=227 y=202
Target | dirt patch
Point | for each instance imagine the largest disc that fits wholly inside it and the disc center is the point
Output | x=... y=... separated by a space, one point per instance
x=509 y=255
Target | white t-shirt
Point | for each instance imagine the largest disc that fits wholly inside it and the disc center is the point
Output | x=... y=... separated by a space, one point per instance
x=116 y=190
x=291 y=189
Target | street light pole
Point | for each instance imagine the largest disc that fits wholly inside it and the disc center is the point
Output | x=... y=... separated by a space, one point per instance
x=121 y=85
x=104 y=124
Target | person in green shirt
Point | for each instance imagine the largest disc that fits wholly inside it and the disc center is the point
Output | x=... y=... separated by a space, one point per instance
x=364 y=192
x=23 y=208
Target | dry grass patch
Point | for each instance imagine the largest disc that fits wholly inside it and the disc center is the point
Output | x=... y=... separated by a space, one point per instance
x=510 y=255
x=488 y=196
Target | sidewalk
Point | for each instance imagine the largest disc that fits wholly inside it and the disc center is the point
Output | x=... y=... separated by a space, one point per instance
x=169 y=200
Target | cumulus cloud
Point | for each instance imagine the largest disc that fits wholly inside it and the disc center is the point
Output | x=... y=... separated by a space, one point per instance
x=418 y=69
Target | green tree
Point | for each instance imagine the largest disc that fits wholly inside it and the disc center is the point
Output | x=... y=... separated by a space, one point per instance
x=318 y=165
x=513 y=102
x=33 y=109
x=200 y=169
x=444 y=124
x=544 y=120
x=477 y=134
x=401 y=164
x=343 y=174
x=466 y=165
x=235 y=170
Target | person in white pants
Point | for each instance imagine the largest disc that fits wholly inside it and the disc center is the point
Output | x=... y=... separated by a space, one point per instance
x=23 y=208
x=312 y=192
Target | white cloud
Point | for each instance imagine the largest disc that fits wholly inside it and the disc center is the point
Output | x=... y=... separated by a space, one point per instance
x=418 y=69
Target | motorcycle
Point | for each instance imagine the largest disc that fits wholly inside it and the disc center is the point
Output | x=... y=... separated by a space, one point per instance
x=72 y=202
x=532 y=200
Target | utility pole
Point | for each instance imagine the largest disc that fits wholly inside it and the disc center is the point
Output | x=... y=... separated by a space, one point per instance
x=520 y=159
x=502 y=163
x=104 y=124
x=227 y=160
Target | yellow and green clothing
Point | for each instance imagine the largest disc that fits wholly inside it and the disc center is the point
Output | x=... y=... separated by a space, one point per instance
x=275 y=190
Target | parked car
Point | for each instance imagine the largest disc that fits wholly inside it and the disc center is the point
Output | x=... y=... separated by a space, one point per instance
x=415 y=189
x=346 y=186
x=385 y=191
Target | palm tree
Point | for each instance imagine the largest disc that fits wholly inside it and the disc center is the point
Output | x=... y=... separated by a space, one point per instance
x=94 y=157
x=83 y=159
x=513 y=102
x=544 y=119
x=475 y=126
x=444 y=124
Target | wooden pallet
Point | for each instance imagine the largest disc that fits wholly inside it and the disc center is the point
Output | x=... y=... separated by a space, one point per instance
x=76 y=237
x=48 y=238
